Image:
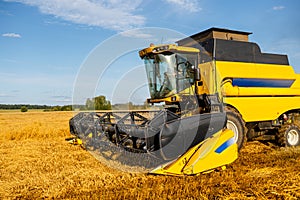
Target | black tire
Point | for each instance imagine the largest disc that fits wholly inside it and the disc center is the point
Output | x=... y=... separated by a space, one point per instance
x=288 y=136
x=237 y=125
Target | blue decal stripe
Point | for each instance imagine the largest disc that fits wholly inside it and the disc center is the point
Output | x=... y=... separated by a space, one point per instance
x=225 y=145
x=259 y=82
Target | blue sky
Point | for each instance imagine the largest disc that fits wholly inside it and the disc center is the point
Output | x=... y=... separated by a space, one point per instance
x=45 y=44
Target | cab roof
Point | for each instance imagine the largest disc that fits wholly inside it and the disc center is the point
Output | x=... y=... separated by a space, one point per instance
x=157 y=49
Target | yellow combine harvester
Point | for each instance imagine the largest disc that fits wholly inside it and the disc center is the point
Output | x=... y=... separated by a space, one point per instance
x=197 y=80
x=261 y=91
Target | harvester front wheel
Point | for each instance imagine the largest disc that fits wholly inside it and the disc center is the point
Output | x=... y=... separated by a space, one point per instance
x=237 y=125
x=289 y=136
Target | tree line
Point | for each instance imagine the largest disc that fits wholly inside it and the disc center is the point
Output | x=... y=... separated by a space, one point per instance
x=96 y=103
x=18 y=106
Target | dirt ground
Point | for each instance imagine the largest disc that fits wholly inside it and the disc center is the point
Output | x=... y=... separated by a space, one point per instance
x=37 y=163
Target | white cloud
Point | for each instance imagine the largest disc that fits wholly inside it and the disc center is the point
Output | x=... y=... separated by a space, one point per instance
x=12 y=35
x=278 y=7
x=110 y=14
x=188 y=5
x=4 y=95
x=135 y=33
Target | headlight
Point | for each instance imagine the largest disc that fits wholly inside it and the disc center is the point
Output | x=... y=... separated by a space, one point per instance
x=161 y=48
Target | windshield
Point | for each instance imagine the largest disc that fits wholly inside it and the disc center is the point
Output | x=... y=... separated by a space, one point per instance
x=169 y=74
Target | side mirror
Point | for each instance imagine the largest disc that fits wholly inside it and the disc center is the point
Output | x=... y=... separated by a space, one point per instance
x=197 y=74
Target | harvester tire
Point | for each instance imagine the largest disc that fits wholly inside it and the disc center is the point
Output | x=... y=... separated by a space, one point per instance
x=288 y=136
x=237 y=125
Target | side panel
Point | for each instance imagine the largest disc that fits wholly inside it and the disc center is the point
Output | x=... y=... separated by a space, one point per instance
x=296 y=84
x=263 y=108
x=254 y=70
x=259 y=92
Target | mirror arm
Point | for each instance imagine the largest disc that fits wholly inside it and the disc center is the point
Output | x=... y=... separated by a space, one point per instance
x=197 y=74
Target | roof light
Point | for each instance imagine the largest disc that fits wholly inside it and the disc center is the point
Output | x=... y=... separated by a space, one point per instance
x=160 y=48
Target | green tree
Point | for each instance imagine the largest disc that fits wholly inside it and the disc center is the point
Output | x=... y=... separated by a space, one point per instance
x=98 y=103
x=56 y=108
x=66 y=108
x=24 y=109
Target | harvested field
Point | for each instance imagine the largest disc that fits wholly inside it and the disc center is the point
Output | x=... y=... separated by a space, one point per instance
x=36 y=162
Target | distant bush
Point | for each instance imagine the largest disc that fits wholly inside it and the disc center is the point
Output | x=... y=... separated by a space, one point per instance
x=24 y=109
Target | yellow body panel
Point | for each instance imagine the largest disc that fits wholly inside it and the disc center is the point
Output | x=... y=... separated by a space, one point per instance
x=216 y=151
x=259 y=103
x=296 y=84
x=254 y=70
x=263 y=108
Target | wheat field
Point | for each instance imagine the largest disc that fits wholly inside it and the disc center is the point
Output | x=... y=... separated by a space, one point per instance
x=37 y=163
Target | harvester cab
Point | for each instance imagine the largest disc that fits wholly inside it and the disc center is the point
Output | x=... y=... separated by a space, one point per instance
x=188 y=136
x=171 y=74
x=174 y=78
